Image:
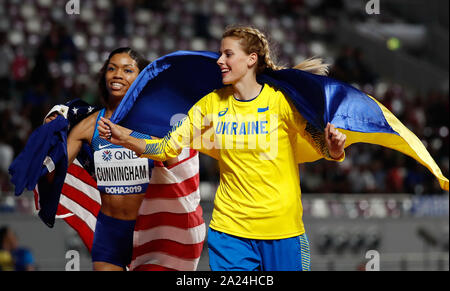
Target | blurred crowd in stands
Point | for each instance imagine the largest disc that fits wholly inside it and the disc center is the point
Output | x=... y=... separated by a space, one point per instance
x=49 y=57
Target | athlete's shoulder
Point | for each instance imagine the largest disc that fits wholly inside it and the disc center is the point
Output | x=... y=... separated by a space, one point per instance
x=90 y=120
x=86 y=127
x=269 y=89
x=273 y=95
x=279 y=100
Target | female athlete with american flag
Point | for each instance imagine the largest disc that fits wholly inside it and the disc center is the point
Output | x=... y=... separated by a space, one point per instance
x=130 y=215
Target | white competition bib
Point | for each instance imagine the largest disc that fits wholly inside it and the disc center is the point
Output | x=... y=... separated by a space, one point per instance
x=121 y=171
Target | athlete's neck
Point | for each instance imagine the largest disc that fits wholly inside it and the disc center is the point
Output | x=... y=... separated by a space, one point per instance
x=111 y=106
x=246 y=88
x=109 y=112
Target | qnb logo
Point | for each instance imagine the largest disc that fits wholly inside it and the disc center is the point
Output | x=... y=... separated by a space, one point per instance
x=107 y=156
x=125 y=155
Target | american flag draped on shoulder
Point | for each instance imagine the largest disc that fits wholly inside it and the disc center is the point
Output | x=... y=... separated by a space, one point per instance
x=170 y=230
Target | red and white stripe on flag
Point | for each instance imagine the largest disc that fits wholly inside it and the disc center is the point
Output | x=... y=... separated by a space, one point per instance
x=79 y=203
x=169 y=232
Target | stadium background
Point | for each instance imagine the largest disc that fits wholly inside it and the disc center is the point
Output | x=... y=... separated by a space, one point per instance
x=376 y=199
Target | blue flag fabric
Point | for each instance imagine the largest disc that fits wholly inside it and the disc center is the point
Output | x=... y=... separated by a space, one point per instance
x=172 y=84
x=322 y=99
x=47 y=140
x=168 y=86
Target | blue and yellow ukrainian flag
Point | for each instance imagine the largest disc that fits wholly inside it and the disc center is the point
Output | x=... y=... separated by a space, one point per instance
x=172 y=84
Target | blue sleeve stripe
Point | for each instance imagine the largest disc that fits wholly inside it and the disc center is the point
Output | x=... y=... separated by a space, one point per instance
x=306 y=256
x=159 y=147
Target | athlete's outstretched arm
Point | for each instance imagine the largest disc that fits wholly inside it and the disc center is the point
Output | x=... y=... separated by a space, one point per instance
x=156 y=149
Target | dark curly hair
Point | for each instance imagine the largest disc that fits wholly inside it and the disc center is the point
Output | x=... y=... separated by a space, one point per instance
x=140 y=61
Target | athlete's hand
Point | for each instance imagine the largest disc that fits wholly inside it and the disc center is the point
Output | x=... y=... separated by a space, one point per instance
x=112 y=132
x=335 y=141
x=119 y=135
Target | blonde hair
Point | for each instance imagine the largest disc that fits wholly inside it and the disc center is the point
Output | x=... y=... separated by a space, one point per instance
x=252 y=40
x=314 y=65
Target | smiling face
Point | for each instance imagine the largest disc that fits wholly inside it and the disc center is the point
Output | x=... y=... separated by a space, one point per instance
x=121 y=72
x=234 y=62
